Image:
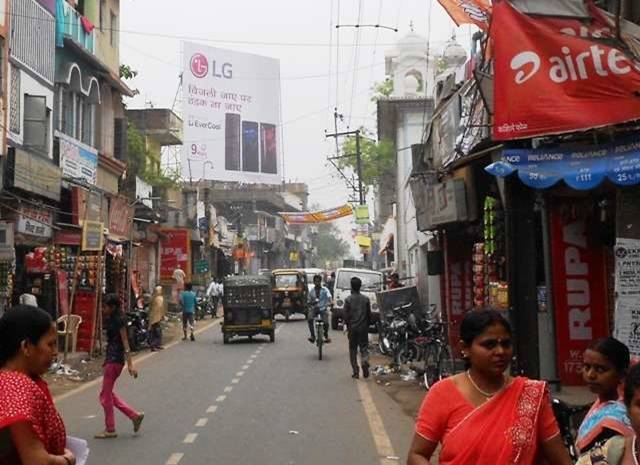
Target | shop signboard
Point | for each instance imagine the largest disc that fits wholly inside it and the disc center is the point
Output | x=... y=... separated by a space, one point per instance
x=231 y=111
x=35 y=221
x=579 y=290
x=458 y=284
x=77 y=160
x=88 y=205
x=175 y=249
x=202 y=266
x=627 y=291
x=92 y=236
x=36 y=174
x=445 y=203
x=144 y=192
x=63 y=292
x=120 y=219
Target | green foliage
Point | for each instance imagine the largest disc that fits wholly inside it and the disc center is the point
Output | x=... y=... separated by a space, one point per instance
x=377 y=157
x=141 y=162
x=382 y=89
x=330 y=245
x=127 y=73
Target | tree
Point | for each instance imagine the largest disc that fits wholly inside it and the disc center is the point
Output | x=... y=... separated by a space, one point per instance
x=382 y=89
x=140 y=162
x=377 y=157
x=330 y=245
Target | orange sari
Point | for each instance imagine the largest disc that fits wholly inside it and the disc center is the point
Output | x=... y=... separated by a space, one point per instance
x=505 y=430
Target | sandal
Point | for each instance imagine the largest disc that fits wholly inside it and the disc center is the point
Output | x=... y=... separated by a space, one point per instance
x=137 y=422
x=106 y=435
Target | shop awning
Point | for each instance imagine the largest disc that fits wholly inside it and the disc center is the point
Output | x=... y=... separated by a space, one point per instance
x=581 y=168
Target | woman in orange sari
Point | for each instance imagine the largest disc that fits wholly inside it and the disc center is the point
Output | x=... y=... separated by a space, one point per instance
x=483 y=416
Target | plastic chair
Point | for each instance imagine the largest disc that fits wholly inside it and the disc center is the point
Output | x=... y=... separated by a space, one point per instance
x=74 y=323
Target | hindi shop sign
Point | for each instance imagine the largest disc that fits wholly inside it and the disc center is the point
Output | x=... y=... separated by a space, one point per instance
x=627 y=290
x=175 y=250
x=231 y=110
x=77 y=160
x=120 y=218
x=35 y=222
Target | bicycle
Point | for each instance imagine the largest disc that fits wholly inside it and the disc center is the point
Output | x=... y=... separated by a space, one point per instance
x=569 y=418
x=436 y=355
x=318 y=324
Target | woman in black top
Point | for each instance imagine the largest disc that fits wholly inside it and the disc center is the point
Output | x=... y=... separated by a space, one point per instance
x=117 y=353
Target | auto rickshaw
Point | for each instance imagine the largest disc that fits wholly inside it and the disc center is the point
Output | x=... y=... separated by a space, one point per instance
x=248 y=307
x=290 y=291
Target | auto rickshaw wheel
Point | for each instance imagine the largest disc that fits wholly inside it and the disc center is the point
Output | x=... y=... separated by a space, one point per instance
x=272 y=336
x=287 y=315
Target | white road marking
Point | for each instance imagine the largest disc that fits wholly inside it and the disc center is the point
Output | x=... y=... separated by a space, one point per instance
x=379 y=433
x=228 y=389
x=240 y=373
x=190 y=438
x=235 y=381
x=250 y=361
x=245 y=367
x=174 y=459
x=221 y=398
x=212 y=408
x=202 y=422
x=254 y=356
x=89 y=417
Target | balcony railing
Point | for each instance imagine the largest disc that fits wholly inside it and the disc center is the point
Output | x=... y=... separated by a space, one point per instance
x=69 y=24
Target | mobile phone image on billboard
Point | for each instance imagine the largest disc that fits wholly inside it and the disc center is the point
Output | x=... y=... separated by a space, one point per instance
x=250 y=147
x=269 y=151
x=232 y=142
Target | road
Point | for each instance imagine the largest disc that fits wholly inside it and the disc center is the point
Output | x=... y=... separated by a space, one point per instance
x=246 y=403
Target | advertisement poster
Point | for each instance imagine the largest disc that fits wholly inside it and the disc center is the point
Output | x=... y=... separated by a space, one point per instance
x=175 y=249
x=77 y=160
x=322 y=216
x=627 y=290
x=231 y=105
x=458 y=285
x=580 y=298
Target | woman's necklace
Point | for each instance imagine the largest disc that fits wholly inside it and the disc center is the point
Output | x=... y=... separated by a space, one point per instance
x=488 y=395
x=634 y=448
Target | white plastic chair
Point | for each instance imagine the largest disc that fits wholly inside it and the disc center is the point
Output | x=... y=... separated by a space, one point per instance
x=74 y=323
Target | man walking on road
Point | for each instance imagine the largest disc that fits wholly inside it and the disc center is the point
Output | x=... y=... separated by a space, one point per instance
x=357 y=314
x=188 y=302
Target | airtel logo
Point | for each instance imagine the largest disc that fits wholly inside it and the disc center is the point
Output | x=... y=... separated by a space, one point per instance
x=596 y=61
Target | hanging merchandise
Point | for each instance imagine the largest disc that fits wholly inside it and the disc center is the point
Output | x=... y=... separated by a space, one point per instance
x=495 y=291
x=478 y=275
x=7 y=269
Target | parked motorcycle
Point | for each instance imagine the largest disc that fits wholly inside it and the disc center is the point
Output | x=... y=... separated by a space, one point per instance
x=204 y=306
x=137 y=323
x=396 y=332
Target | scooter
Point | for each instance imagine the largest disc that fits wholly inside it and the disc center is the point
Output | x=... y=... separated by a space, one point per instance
x=137 y=323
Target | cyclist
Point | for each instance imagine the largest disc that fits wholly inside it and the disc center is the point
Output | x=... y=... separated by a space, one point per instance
x=319 y=302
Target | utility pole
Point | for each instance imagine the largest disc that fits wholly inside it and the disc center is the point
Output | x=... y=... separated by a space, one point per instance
x=358 y=156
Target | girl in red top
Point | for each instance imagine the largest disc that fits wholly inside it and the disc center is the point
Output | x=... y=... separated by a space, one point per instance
x=483 y=416
x=31 y=430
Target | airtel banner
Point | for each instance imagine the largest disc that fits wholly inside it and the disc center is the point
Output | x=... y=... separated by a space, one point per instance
x=557 y=75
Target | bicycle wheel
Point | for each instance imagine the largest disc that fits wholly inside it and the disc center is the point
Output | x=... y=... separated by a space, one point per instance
x=430 y=365
x=320 y=348
x=446 y=366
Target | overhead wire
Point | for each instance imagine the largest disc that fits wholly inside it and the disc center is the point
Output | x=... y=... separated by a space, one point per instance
x=356 y=58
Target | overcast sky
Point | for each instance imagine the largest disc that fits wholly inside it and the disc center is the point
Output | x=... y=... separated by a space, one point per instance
x=297 y=32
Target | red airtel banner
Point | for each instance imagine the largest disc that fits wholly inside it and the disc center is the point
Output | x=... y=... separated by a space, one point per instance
x=558 y=75
x=579 y=290
x=175 y=249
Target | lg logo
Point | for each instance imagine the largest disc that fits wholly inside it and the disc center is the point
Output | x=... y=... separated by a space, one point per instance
x=199 y=65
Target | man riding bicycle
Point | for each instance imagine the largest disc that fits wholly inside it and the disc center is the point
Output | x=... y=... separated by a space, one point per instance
x=319 y=302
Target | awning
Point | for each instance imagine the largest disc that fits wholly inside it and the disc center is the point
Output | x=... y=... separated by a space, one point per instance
x=581 y=168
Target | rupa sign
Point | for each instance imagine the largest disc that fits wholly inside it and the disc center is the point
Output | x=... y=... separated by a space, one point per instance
x=558 y=75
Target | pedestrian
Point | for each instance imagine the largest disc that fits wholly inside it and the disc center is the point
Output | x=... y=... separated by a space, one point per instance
x=320 y=300
x=188 y=303
x=605 y=366
x=33 y=430
x=395 y=281
x=483 y=416
x=357 y=315
x=331 y=282
x=213 y=295
x=178 y=284
x=28 y=299
x=156 y=315
x=117 y=353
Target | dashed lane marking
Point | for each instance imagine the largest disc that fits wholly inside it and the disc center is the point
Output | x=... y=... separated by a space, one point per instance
x=379 y=433
x=228 y=389
x=235 y=381
x=174 y=459
x=245 y=367
x=254 y=356
x=250 y=361
x=240 y=373
x=221 y=398
x=202 y=422
x=212 y=408
x=190 y=438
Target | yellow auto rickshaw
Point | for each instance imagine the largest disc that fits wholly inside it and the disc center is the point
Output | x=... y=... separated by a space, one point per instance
x=290 y=291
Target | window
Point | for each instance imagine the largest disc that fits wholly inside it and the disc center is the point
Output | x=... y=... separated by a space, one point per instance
x=36 y=123
x=77 y=116
x=80 y=7
x=114 y=30
x=14 y=117
x=103 y=15
x=88 y=122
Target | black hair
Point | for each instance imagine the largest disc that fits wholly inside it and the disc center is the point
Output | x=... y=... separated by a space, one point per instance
x=614 y=351
x=631 y=384
x=188 y=286
x=475 y=322
x=317 y=277
x=21 y=323
x=112 y=300
x=356 y=283
x=395 y=275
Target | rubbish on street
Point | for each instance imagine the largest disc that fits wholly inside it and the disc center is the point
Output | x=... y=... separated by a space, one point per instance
x=294 y=432
x=410 y=375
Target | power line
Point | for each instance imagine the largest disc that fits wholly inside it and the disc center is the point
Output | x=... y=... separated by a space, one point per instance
x=356 y=58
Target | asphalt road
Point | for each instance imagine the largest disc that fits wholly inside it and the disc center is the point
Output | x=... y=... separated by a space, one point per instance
x=246 y=403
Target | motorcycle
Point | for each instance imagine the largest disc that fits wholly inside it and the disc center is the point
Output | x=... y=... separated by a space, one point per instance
x=137 y=324
x=396 y=333
x=203 y=307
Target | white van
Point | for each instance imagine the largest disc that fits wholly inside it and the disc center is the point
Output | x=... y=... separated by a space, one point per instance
x=372 y=282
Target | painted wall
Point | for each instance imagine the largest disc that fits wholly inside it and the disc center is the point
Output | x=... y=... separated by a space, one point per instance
x=109 y=54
